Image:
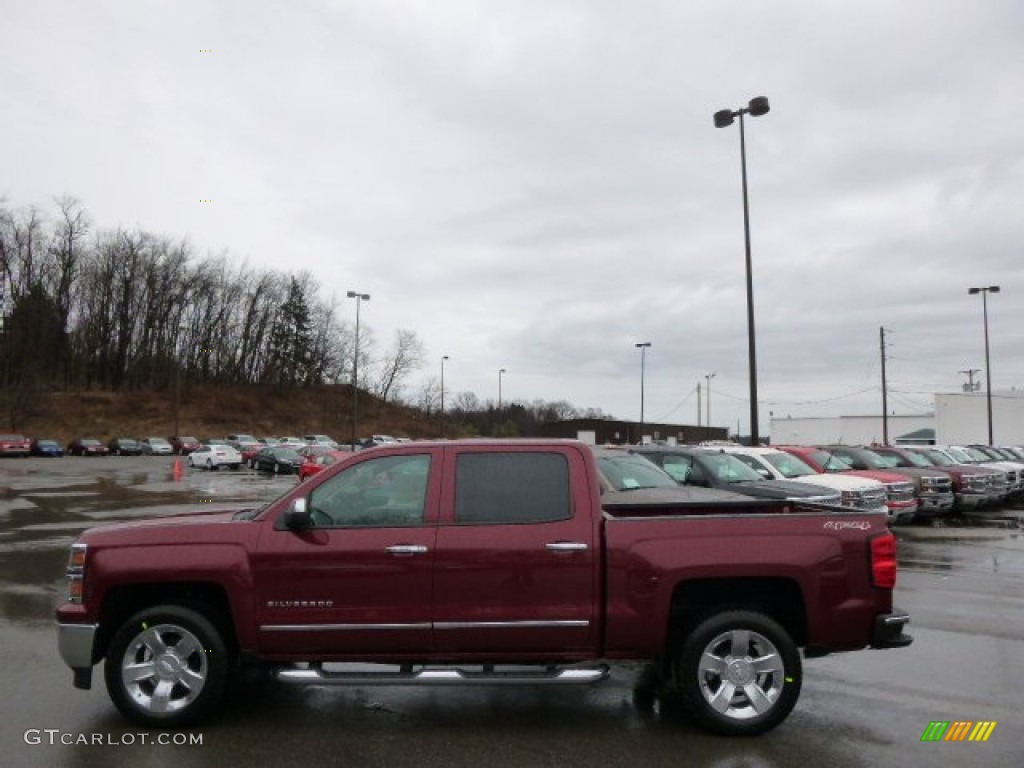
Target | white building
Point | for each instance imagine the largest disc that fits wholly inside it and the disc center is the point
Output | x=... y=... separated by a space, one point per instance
x=959 y=418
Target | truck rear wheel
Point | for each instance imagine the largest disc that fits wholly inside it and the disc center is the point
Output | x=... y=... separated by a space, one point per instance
x=739 y=673
x=166 y=667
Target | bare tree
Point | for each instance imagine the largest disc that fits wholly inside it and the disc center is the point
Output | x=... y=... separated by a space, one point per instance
x=429 y=397
x=404 y=358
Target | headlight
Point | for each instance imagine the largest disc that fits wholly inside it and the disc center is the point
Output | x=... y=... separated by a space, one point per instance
x=76 y=572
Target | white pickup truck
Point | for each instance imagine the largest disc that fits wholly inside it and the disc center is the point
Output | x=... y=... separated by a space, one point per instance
x=859 y=493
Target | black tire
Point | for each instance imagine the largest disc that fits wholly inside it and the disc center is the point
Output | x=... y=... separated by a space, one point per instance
x=189 y=662
x=738 y=673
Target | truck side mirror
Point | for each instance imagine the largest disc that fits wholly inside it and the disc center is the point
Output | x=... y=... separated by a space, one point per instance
x=297 y=516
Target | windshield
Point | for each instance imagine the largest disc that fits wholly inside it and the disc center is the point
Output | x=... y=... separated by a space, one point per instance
x=937 y=457
x=630 y=473
x=729 y=469
x=829 y=461
x=871 y=459
x=919 y=460
x=888 y=461
x=789 y=465
x=959 y=454
x=978 y=457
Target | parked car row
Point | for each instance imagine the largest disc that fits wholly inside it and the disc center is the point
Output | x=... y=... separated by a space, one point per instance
x=910 y=482
x=248 y=446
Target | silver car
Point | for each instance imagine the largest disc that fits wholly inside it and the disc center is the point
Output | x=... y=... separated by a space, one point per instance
x=155 y=446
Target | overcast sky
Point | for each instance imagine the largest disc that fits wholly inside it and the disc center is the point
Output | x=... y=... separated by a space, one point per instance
x=537 y=185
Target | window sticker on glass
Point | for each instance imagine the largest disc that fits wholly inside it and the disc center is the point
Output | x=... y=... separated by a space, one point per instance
x=630 y=482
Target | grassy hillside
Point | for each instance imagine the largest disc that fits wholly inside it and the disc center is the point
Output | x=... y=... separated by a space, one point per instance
x=215 y=411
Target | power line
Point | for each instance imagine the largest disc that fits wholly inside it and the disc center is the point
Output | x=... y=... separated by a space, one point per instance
x=679 y=405
x=720 y=393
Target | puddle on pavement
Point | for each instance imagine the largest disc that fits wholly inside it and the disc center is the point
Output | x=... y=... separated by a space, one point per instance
x=42 y=511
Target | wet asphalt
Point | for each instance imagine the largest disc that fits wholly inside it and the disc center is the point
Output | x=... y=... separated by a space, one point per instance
x=963 y=586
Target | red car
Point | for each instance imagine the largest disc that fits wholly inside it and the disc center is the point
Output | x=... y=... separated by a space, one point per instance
x=87 y=446
x=182 y=446
x=317 y=462
x=14 y=445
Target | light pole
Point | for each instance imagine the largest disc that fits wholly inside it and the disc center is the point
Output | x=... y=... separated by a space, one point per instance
x=756 y=107
x=360 y=298
x=177 y=384
x=643 y=346
x=443 y=358
x=709 y=377
x=988 y=370
x=501 y=372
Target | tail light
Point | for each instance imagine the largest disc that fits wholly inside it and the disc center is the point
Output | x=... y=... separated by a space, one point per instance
x=883 y=561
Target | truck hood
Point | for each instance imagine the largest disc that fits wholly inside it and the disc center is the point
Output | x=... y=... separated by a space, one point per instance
x=133 y=531
x=782 y=489
x=680 y=498
x=842 y=482
x=879 y=475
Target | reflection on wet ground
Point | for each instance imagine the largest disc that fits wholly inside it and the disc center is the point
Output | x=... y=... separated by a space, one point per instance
x=45 y=503
x=994 y=551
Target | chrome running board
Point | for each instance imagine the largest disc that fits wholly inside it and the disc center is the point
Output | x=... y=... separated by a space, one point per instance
x=315 y=674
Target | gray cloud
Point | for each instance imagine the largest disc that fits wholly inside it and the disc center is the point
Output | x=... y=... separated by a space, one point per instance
x=538 y=185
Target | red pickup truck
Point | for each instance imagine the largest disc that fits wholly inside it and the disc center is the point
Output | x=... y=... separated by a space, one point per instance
x=481 y=562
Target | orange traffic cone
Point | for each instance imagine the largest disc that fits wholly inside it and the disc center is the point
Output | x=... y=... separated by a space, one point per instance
x=177 y=469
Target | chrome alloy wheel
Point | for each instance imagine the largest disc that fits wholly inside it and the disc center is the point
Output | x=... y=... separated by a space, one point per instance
x=164 y=668
x=741 y=674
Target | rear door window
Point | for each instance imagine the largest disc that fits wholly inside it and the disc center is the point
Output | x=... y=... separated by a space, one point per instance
x=511 y=487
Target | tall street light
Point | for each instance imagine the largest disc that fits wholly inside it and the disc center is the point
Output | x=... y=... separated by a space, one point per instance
x=443 y=358
x=988 y=370
x=501 y=372
x=756 y=107
x=709 y=377
x=177 y=381
x=643 y=346
x=360 y=298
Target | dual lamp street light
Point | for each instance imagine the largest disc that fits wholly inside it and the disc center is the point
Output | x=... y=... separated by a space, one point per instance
x=755 y=108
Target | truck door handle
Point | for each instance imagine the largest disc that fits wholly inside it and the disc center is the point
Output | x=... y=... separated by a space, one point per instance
x=407 y=549
x=566 y=546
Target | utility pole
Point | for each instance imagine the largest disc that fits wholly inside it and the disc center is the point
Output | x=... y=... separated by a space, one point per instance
x=971 y=386
x=709 y=377
x=885 y=393
x=698 y=404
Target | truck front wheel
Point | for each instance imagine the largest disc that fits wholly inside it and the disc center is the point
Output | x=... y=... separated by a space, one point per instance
x=166 y=667
x=739 y=673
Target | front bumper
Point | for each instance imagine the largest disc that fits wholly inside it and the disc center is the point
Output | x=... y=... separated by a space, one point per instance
x=889 y=630
x=75 y=643
x=968 y=500
x=902 y=510
x=935 y=503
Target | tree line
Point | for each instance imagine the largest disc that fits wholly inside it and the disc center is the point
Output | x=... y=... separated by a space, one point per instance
x=84 y=307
